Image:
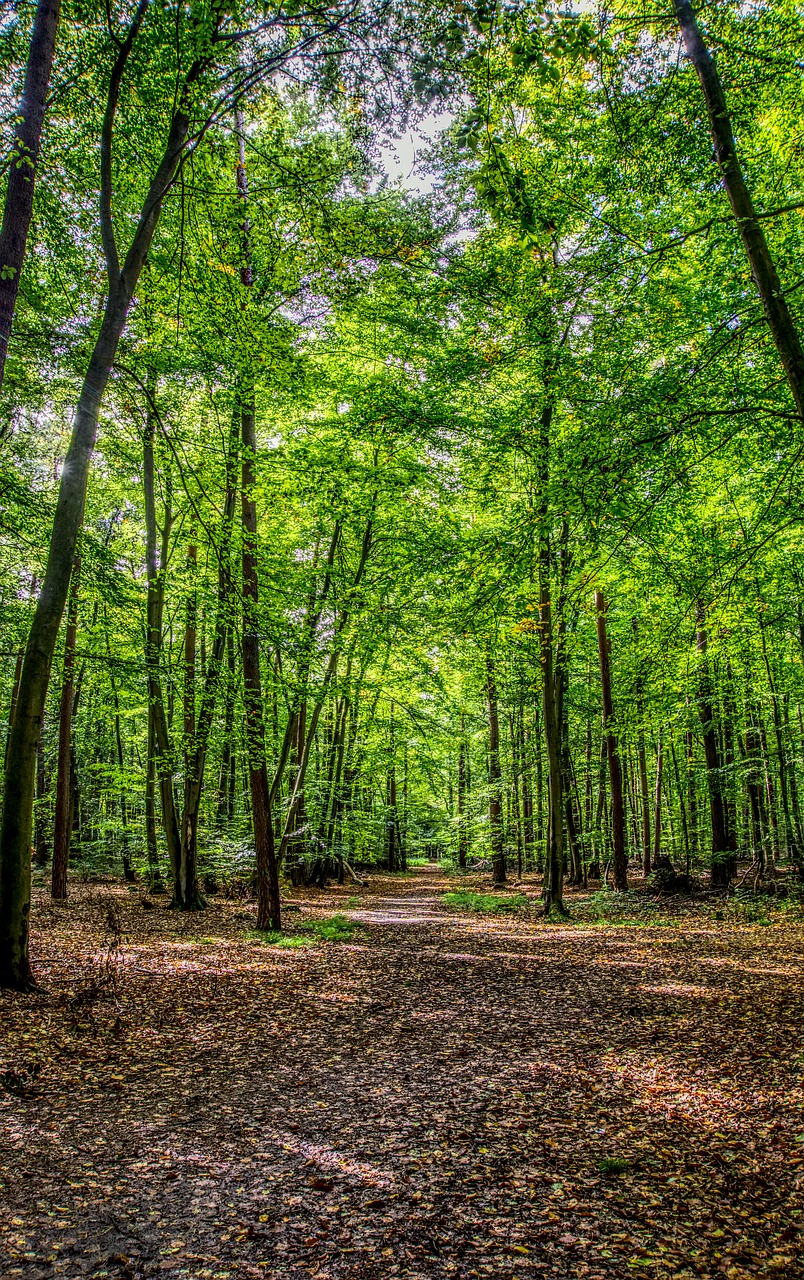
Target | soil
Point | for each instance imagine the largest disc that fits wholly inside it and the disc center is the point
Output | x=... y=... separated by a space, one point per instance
x=447 y=1094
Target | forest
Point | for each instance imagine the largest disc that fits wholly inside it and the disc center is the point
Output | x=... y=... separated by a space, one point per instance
x=402 y=654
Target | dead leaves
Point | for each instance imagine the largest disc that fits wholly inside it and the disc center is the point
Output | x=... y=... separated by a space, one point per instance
x=439 y=1101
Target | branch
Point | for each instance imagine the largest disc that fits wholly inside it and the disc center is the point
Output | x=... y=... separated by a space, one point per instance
x=112 y=99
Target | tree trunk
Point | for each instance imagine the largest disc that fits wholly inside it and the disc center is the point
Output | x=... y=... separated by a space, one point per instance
x=269 y=911
x=753 y=776
x=155 y=883
x=495 y=779
x=186 y=894
x=225 y=803
x=40 y=833
x=463 y=832
x=23 y=165
x=722 y=856
x=155 y=567
x=62 y=821
x=392 y=837
x=15 y=693
x=527 y=790
x=15 y=833
x=612 y=753
x=128 y=870
x=643 y=772
x=553 y=886
x=763 y=269
x=792 y=849
x=657 y=803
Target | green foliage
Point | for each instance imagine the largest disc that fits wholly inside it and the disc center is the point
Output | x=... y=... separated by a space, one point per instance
x=487 y=903
x=337 y=928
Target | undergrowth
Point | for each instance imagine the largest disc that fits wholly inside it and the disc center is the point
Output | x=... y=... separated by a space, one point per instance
x=466 y=900
x=335 y=928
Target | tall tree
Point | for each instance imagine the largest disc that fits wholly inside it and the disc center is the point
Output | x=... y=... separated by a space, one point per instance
x=23 y=163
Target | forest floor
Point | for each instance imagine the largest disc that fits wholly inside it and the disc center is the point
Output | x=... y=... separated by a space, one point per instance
x=443 y=1094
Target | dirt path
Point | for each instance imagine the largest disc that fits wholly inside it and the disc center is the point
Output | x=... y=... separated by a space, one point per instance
x=433 y=1099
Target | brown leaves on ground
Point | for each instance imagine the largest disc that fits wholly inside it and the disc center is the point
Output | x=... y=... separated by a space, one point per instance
x=446 y=1095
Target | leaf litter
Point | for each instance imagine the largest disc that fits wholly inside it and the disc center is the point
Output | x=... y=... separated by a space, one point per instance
x=418 y=1092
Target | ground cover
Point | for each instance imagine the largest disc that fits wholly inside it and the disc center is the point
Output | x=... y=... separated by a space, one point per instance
x=416 y=1090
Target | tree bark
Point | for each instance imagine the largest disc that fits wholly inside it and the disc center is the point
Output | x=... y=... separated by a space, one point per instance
x=763 y=268
x=392 y=821
x=155 y=568
x=15 y=833
x=186 y=894
x=615 y=773
x=495 y=779
x=553 y=886
x=128 y=870
x=225 y=805
x=463 y=834
x=62 y=821
x=722 y=854
x=657 y=803
x=269 y=911
x=23 y=165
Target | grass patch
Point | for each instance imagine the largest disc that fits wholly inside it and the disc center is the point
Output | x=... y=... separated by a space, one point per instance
x=334 y=929
x=613 y=1166
x=269 y=938
x=494 y=903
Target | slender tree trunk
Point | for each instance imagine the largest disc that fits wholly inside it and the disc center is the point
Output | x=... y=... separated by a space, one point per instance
x=770 y=791
x=722 y=856
x=23 y=163
x=155 y=882
x=269 y=910
x=692 y=797
x=463 y=834
x=753 y=775
x=553 y=888
x=224 y=806
x=539 y=833
x=682 y=808
x=62 y=820
x=392 y=841
x=155 y=568
x=186 y=894
x=643 y=771
x=794 y=794
x=15 y=693
x=527 y=790
x=657 y=803
x=516 y=775
x=40 y=833
x=763 y=268
x=615 y=773
x=128 y=870
x=495 y=779
x=789 y=835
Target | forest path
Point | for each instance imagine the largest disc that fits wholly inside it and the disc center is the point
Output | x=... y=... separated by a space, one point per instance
x=433 y=1099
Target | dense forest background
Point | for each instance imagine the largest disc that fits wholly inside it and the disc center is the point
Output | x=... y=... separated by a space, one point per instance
x=454 y=514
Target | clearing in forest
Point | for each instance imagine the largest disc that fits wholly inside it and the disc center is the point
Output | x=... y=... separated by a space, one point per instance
x=413 y=1089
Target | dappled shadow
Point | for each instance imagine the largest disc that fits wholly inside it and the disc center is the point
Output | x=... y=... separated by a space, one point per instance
x=445 y=1095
